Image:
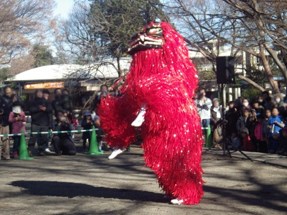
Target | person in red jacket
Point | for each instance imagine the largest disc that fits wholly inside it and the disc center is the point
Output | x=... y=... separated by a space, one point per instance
x=17 y=118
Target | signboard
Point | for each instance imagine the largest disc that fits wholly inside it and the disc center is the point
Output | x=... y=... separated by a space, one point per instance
x=47 y=85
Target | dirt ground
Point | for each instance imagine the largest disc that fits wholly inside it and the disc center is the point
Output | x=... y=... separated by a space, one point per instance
x=84 y=184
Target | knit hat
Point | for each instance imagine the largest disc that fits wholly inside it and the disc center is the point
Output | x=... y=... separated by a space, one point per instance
x=16 y=109
x=87 y=113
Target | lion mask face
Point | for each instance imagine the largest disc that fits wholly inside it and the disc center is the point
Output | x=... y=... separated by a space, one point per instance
x=150 y=37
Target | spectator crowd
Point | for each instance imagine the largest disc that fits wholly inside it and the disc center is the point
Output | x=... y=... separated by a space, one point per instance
x=257 y=125
x=46 y=115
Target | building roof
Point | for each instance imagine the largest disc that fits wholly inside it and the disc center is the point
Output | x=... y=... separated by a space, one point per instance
x=105 y=69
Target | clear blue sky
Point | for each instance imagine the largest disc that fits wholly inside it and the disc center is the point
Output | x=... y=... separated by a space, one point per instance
x=63 y=7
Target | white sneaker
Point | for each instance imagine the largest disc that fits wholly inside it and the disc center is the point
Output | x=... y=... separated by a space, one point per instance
x=48 y=150
x=140 y=118
x=115 y=153
x=176 y=201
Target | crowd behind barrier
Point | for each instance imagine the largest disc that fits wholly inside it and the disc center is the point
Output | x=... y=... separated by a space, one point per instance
x=52 y=123
x=257 y=125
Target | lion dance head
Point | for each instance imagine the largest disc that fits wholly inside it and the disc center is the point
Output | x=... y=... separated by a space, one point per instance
x=160 y=49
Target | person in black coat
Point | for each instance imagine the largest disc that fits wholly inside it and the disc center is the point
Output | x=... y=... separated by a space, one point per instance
x=231 y=116
x=87 y=123
x=63 y=143
x=57 y=102
x=244 y=122
x=6 y=102
x=40 y=110
x=67 y=103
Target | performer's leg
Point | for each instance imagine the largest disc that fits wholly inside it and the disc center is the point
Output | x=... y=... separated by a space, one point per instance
x=173 y=151
x=115 y=153
x=140 y=118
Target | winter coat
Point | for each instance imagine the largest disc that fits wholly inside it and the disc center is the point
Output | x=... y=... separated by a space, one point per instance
x=274 y=127
x=64 y=127
x=5 y=108
x=231 y=116
x=67 y=104
x=17 y=126
x=214 y=118
x=38 y=116
x=241 y=123
x=258 y=131
x=87 y=125
x=57 y=105
x=203 y=107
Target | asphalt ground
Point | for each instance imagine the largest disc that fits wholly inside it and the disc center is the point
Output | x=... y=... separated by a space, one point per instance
x=85 y=184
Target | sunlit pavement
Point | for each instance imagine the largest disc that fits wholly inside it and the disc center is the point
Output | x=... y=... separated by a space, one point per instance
x=84 y=184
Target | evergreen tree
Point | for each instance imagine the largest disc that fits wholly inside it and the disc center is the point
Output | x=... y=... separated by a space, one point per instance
x=42 y=55
x=113 y=22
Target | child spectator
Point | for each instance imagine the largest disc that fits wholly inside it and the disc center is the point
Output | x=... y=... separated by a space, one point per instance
x=258 y=109
x=275 y=122
x=87 y=123
x=246 y=105
x=251 y=127
x=274 y=143
x=243 y=121
x=246 y=141
x=258 y=133
x=265 y=126
x=283 y=142
x=275 y=125
x=17 y=118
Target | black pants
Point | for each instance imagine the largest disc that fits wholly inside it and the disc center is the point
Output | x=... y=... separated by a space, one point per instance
x=262 y=146
x=64 y=144
x=86 y=135
x=42 y=138
x=16 y=143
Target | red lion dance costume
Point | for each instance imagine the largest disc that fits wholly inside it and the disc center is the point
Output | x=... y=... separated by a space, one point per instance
x=162 y=79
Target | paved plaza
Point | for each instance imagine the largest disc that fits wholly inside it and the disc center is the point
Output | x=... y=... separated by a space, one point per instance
x=84 y=184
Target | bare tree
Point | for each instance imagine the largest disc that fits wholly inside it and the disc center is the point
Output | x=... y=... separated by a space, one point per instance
x=21 y=64
x=100 y=30
x=255 y=27
x=22 y=21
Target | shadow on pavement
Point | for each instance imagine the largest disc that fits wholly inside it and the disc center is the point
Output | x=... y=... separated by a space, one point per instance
x=71 y=190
